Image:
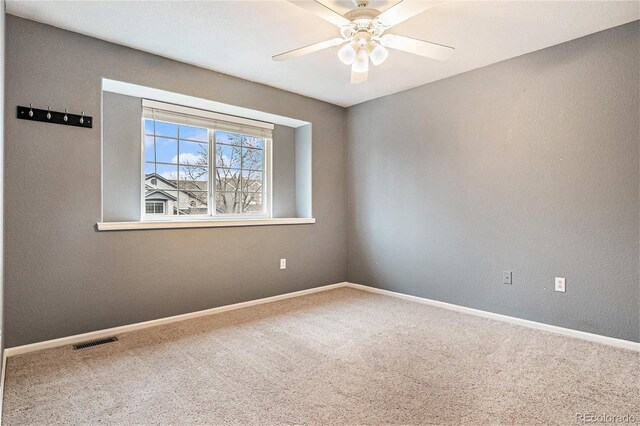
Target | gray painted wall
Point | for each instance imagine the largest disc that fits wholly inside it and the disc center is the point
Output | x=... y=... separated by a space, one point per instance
x=304 y=162
x=2 y=84
x=64 y=277
x=530 y=165
x=121 y=158
x=283 y=172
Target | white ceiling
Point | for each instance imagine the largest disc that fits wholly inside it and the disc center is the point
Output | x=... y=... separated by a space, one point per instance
x=239 y=37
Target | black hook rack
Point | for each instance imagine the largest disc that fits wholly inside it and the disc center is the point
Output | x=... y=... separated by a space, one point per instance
x=57 y=117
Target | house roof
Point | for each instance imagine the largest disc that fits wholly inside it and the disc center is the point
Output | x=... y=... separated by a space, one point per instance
x=159 y=194
x=151 y=190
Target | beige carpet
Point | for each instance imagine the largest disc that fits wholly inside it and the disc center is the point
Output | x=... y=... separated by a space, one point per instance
x=337 y=357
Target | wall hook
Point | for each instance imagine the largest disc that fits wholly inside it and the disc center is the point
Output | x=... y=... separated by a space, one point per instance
x=56 y=117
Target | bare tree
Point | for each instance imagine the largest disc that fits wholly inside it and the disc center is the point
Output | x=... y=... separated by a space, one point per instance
x=238 y=176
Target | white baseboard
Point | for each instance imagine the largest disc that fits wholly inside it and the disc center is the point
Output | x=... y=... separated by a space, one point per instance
x=70 y=340
x=93 y=335
x=597 y=338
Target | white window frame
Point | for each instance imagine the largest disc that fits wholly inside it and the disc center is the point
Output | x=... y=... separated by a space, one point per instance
x=212 y=215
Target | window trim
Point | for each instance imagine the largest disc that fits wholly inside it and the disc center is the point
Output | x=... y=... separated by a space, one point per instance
x=212 y=215
x=176 y=224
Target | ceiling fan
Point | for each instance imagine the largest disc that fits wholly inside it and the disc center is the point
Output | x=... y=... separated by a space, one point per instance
x=363 y=30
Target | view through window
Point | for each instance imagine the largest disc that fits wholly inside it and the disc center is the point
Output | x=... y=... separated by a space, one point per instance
x=201 y=171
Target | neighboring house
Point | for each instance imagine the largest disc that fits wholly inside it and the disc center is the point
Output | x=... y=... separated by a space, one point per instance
x=163 y=198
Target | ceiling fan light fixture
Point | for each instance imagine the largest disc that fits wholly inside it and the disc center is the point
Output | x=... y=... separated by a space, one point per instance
x=361 y=64
x=378 y=54
x=347 y=54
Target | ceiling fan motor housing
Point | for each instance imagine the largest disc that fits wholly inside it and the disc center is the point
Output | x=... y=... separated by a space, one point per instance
x=361 y=14
x=362 y=22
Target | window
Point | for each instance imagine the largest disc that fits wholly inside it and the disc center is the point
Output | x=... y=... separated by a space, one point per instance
x=154 y=207
x=202 y=165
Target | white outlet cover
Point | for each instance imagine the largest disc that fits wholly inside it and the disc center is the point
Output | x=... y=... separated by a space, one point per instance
x=560 y=285
x=283 y=263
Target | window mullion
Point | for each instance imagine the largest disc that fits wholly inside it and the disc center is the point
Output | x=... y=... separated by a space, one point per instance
x=241 y=180
x=178 y=168
x=212 y=172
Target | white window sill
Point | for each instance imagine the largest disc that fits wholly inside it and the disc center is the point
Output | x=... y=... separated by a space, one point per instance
x=172 y=224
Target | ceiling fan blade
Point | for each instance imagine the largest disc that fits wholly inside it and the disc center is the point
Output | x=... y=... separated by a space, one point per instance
x=322 y=11
x=359 y=77
x=308 y=49
x=404 y=10
x=417 y=47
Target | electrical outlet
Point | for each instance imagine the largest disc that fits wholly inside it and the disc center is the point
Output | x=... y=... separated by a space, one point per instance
x=560 y=285
x=506 y=277
x=283 y=263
